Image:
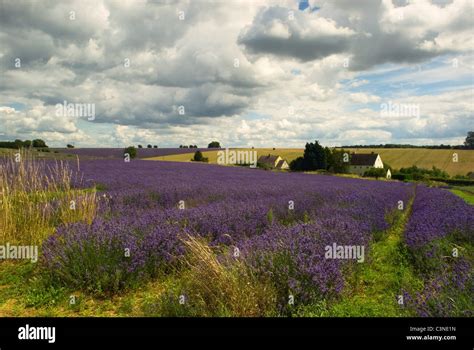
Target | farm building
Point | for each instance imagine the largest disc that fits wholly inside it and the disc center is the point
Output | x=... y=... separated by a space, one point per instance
x=360 y=163
x=274 y=162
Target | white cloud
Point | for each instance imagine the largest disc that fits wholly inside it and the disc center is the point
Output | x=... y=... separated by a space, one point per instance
x=360 y=97
x=227 y=63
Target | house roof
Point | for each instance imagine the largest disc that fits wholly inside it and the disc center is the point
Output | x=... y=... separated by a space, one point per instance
x=280 y=163
x=364 y=159
x=268 y=159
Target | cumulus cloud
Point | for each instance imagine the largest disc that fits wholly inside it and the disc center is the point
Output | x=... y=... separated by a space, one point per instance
x=283 y=32
x=255 y=73
x=403 y=32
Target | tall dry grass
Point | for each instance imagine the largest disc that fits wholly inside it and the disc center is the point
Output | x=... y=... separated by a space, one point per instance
x=220 y=288
x=36 y=196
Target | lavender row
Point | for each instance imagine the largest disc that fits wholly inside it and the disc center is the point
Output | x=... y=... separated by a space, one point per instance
x=437 y=213
x=440 y=236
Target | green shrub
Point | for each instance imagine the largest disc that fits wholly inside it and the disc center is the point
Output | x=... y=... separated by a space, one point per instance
x=264 y=166
x=198 y=156
x=41 y=294
x=455 y=182
x=97 y=268
x=422 y=173
x=375 y=172
x=131 y=151
x=401 y=177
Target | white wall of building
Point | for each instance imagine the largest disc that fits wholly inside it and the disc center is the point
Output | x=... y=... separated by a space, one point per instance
x=378 y=162
x=358 y=169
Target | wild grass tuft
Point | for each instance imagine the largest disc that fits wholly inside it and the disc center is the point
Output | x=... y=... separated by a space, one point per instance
x=216 y=286
x=36 y=196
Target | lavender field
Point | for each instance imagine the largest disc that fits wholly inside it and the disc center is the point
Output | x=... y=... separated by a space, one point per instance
x=205 y=240
x=117 y=153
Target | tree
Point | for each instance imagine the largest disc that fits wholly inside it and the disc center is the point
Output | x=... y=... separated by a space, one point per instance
x=315 y=157
x=69 y=145
x=338 y=161
x=27 y=143
x=469 y=143
x=149 y=146
x=155 y=146
x=140 y=146
x=132 y=151
x=39 y=143
x=198 y=156
x=214 y=144
x=18 y=143
x=328 y=154
x=297 y=164
x=387 y=166
x=375 y=172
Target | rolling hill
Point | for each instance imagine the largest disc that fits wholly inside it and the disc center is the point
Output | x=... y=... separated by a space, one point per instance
x=396 y=157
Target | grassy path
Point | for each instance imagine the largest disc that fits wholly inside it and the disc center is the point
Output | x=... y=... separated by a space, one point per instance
x=375 y=284
x=468 y=196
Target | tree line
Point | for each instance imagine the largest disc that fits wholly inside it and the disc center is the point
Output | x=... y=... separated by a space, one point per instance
x=317 y=157
x=37 y=143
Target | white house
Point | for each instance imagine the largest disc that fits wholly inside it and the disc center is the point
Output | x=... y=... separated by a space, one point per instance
x=360 y=163
x=274 y=162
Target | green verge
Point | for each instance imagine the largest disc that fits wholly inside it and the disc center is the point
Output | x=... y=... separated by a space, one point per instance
x=25 y=292
x=466 y=195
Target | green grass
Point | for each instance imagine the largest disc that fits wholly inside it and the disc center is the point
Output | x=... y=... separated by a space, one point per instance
x=22 y=290
x=26 y=292
x=467 y=196
x=469 y=189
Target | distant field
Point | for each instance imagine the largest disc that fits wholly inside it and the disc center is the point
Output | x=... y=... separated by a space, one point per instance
x=52 y=154
x=287 y=153
x=185 y=157
x=425 y=158
x=397 y=158
x=105 y=153
x=117 y=153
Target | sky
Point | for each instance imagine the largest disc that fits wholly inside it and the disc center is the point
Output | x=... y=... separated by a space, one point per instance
x=245 y=73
